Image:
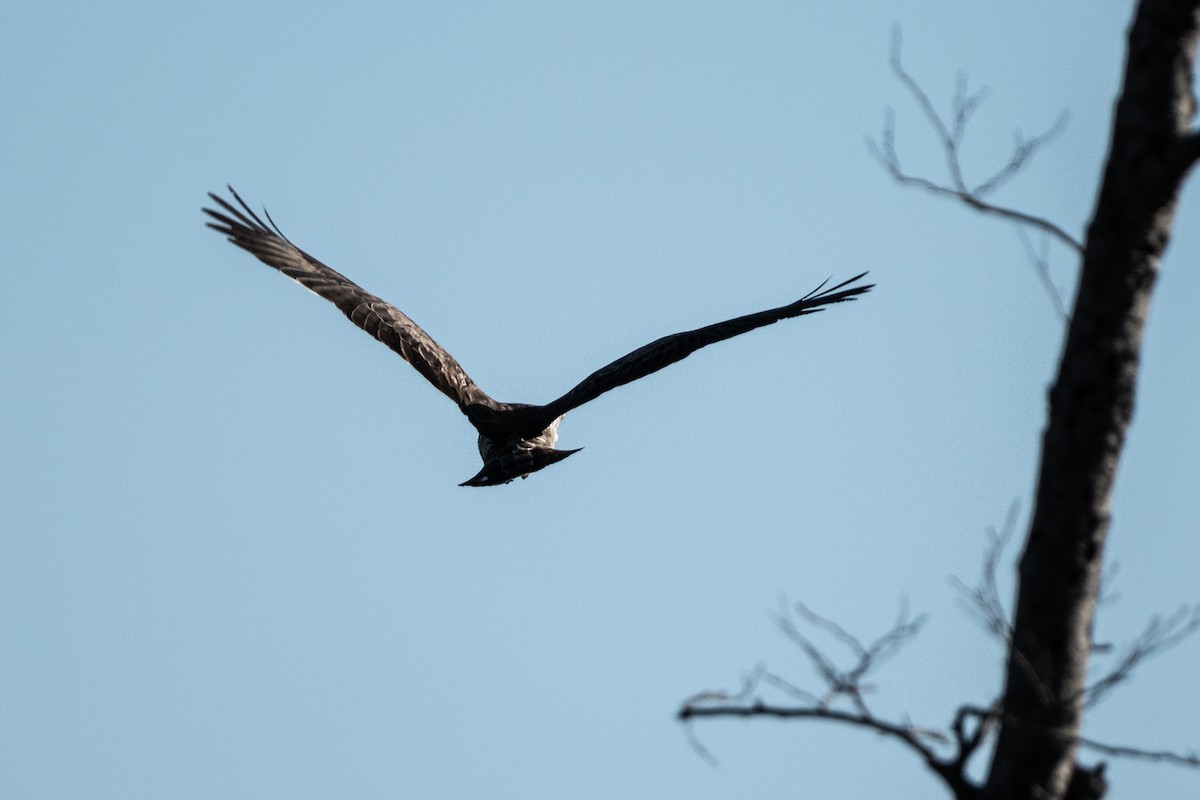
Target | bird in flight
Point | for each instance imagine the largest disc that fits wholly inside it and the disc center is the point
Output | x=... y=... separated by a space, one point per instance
x=515 y=439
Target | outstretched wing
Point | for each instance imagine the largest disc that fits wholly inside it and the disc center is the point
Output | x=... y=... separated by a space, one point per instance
x=678 y=346
x=382 y=320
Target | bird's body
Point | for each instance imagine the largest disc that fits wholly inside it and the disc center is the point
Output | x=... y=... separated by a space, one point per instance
x=504 y=459
x=515 y=439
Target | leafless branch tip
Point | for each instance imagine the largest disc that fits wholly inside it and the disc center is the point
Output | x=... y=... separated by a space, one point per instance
x=1160 y=634
x=951 y=133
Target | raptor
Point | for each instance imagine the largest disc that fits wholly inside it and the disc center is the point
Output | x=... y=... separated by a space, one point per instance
x=515 y=439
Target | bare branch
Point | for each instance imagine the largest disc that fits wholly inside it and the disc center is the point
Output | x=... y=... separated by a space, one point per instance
x=814 y=619
x=969 y=741
x=1191 y=759
x=984 y=598
x=951 y=771
x=905 y=733
x=790 y=688
x=1023 y=150
x=1041 y=264
x=964 y=107
x=879 y=650
x=1158 y=636
x=849 y=682
x=846 y=683
x=1106 y=593
x=697 y=745
x=951 y=136
x=1019 y=217
x=835 y=679
x=749 y=683
x=972 y=725
x=984 y=601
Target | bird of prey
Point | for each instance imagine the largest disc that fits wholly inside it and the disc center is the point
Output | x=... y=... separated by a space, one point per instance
x=515 y=439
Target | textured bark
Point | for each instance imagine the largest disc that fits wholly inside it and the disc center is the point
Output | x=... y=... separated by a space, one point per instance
x=1091 y=404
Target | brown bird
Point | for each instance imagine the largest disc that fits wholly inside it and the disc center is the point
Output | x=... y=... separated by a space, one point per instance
x=515 y=439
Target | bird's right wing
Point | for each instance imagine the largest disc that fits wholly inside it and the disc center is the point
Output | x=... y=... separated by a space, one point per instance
x=678 y=346
x=382 y=320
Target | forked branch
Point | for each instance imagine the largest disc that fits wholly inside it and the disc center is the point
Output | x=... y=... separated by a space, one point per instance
x=951 y=135
x=1159 y=635
x=847 y=683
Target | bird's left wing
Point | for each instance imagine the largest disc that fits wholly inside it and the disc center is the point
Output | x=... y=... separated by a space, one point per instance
x=382 y=320
x=678 y=346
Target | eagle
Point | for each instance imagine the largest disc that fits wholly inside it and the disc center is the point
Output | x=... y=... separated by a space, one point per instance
x=515 y=439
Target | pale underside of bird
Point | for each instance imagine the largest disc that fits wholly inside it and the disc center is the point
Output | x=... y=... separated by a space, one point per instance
x=515 y=439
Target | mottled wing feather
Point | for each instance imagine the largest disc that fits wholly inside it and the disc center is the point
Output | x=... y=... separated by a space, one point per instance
x=676 y=347
x=382 y=320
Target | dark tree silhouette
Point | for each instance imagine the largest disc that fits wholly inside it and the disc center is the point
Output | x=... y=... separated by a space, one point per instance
x=1037 y=719
x=1091 y=404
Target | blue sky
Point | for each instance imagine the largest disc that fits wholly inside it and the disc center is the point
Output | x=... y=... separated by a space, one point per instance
x=235 y=561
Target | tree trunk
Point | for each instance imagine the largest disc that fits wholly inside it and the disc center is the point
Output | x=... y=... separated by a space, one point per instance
x=1091 y=404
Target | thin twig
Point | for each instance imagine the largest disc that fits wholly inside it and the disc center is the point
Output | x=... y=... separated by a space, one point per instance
x=847 y=683
x=1041 y=264
x=1023 y=150
x=984 y=598
x=1160 y=634
x=951 y=136
x=1119 y=751
x=909 y=735
x=886 y=153
x=968 y=743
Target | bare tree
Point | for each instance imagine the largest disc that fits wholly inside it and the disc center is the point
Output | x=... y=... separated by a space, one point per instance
x=1037 y=719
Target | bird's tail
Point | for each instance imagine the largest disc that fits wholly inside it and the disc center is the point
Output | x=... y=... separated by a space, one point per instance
x=516 y=463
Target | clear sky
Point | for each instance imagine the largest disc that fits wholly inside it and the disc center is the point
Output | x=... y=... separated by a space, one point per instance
x=234 y=558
